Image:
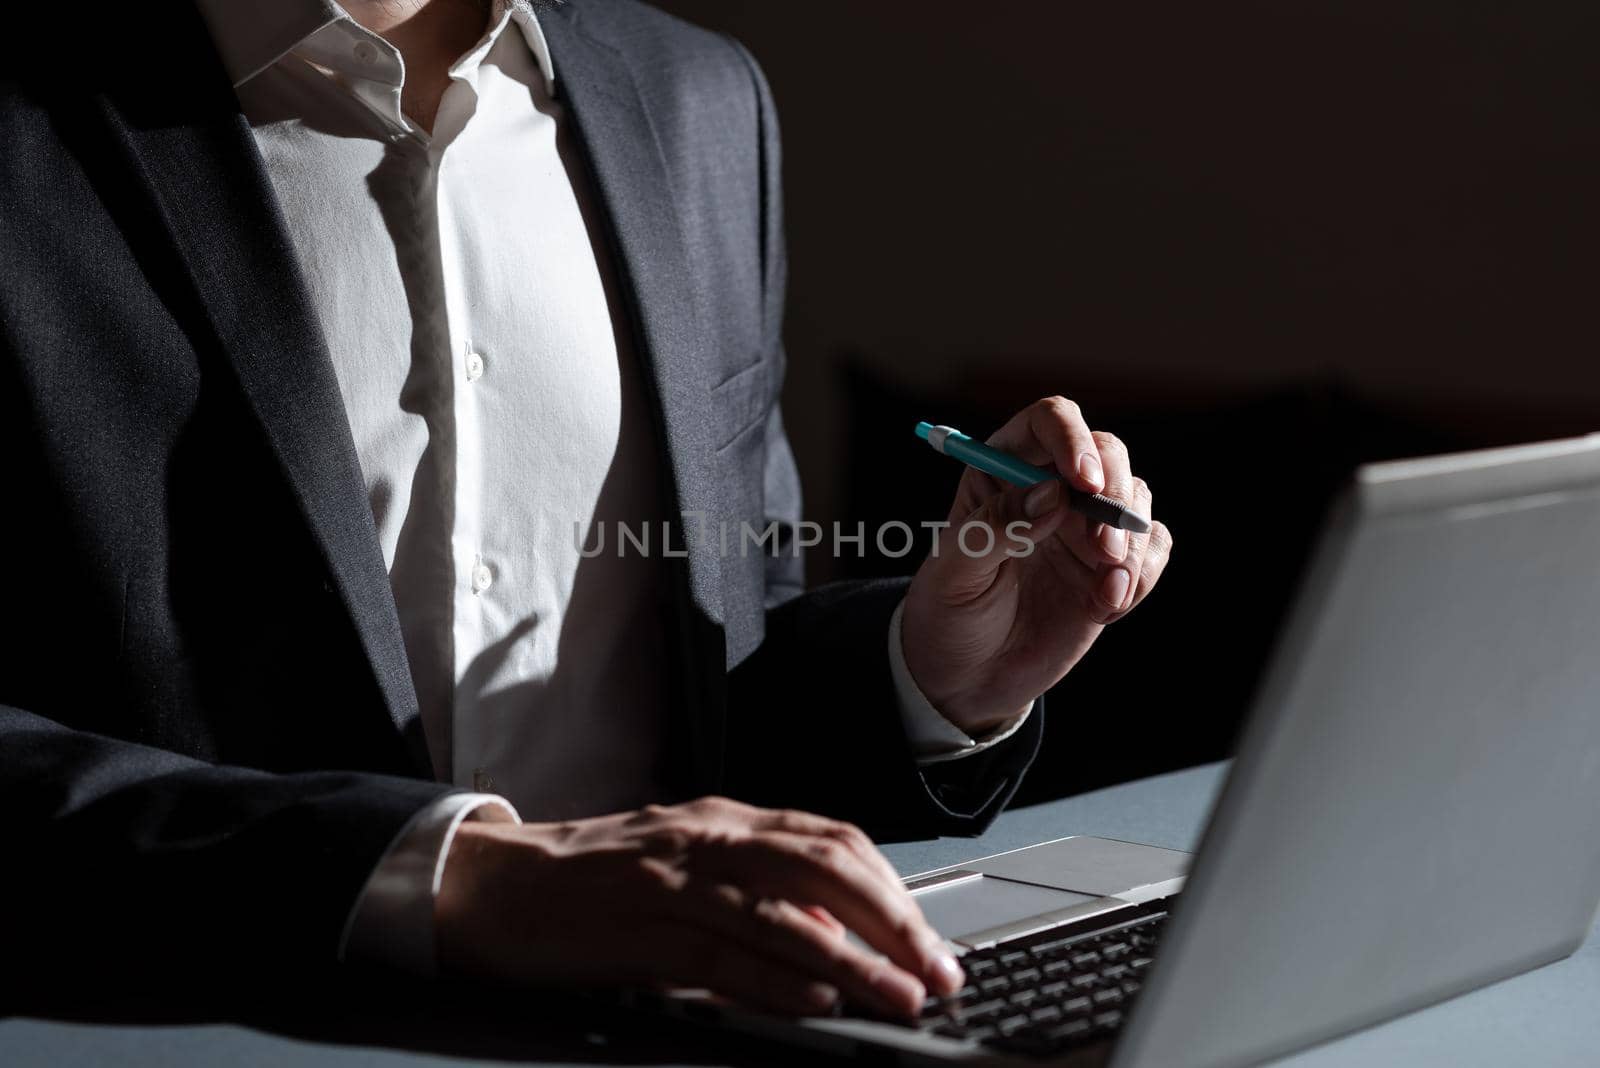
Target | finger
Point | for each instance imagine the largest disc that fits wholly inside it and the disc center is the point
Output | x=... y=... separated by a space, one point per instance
x=1142 y=501
x=1086 y=540
x=975 y=488
x=795 y=941
x=1119 y=487
x=1054 y=430
x=723 y=810
x=797 y=822
x=1117 y=584
x=970 y=552
x=1080 y=537
x=809 y=870
x=1156 y=555
x=707 y=958
x=824 y=917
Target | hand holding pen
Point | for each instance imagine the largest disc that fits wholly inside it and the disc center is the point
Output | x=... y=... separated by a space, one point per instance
x=985 y=633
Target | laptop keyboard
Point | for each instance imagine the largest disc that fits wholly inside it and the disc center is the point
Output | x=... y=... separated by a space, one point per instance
x=1049 y=992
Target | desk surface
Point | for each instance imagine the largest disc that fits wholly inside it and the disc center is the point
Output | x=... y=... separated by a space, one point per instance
x=1546 y=1017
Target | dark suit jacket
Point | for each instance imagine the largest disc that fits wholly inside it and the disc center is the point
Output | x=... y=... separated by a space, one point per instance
x=208 y=731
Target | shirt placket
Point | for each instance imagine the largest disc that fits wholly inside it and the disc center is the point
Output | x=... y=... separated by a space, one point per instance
x=372 y=72
x=476 y=576
x=445 y=321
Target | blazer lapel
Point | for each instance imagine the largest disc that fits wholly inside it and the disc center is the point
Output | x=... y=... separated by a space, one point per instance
x=630 y=174
x=209 y=188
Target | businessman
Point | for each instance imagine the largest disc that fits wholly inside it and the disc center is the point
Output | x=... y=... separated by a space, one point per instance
x=325 y=330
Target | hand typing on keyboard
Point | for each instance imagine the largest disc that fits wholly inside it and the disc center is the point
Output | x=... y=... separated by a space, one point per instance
x=749 y=903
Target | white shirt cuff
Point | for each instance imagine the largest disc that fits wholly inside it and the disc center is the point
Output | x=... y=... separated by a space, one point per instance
x=391 y=922
x=933 y=737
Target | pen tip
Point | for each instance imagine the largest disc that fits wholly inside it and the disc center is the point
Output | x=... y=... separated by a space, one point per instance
x=923 y=429
x=1136 y=523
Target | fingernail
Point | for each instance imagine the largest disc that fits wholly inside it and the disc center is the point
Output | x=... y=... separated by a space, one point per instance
x=821 y=997
x=1041 y=499
x=1115 y=540
x=949 y=975
x=1089 y=471
x=1115 y=588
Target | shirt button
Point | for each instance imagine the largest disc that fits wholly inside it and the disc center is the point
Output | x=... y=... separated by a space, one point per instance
x=474 y=367
x=481 y=578
x=482 y=781
x=365 y=51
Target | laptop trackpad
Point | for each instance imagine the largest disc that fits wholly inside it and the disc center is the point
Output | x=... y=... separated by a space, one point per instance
x=984 y=902
x=1088 y=865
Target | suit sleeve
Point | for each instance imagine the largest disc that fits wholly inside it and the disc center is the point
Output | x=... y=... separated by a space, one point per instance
x=813 y=717
x=126 y=864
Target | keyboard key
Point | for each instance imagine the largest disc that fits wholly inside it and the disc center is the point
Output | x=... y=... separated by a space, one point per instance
x=981 y=1011
x=1045 y=1014
x=1108 y=996
x=1085 y=960
x=1058 y=967
x=1069 y=1030
x=1113 y=971
x=1024 y=997
x=1084 y=982
x=1076 y=1006
x=998 y=985
x=1013 y=958
x=1054 y=990
x=1108 y=1021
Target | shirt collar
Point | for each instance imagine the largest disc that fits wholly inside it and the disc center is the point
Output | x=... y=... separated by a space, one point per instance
x=251 y=36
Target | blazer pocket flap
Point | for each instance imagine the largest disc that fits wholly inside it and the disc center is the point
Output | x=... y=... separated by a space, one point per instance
x=740 y=403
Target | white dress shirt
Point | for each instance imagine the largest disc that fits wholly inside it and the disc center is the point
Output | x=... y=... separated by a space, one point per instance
x=498 y=415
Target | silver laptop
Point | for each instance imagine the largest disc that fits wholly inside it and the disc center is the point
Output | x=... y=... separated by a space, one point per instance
x=1414 y=810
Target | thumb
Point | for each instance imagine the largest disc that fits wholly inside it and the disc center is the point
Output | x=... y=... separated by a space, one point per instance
x=968 y=553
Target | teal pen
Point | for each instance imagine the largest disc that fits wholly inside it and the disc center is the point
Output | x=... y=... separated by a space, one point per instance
x=990 y=461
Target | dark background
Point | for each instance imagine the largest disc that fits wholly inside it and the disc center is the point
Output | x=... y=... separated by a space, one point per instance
x=1260 y=241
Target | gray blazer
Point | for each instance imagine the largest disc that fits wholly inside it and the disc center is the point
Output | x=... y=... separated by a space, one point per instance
x=204 y=697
